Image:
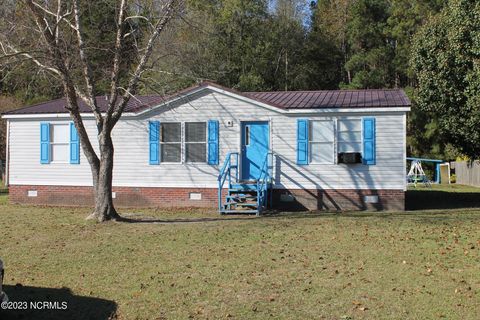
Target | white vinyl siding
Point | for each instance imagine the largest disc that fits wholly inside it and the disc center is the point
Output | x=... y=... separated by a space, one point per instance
x=130 y=137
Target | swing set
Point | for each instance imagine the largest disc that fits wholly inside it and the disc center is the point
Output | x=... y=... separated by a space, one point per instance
x=417 y=175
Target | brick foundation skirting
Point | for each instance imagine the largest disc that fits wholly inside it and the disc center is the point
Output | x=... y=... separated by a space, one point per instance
x=339 y=200
x=331 y=200
x=124 y=196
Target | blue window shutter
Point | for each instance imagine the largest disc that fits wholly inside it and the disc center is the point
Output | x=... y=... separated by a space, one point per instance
x=302 y=141
x=154 y=142
x=212 y=142
x=74 y=145
x=44 y=142
x=369 y=147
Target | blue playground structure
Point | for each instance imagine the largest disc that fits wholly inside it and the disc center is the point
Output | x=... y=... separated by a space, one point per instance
x=416 y=173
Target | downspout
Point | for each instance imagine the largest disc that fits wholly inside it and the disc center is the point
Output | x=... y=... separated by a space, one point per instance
x=7 y=154
x=405 y=184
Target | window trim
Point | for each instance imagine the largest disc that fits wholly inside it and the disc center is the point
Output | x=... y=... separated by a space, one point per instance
x=183 y=143
x=184 y=154
x=361 y=133
x=335 y=120
x=333 y=142
x=177 y=142
x=53 y=143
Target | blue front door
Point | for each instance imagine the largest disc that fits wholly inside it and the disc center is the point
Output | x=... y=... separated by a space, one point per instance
x=255 y=146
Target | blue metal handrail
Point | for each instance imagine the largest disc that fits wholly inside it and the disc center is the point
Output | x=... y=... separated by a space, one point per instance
x=226 y=172
x=264 y=182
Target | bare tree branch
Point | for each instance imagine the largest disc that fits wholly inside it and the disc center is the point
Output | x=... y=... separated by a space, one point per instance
x=115 y=75
x=57 y=29
x=141 y=18
x=15 y=53
x=87 y=72
x=168 y=11
x=57 y=15
x=68 y=84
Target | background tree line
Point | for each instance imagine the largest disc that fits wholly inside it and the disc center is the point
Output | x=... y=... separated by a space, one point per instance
x=257 y=45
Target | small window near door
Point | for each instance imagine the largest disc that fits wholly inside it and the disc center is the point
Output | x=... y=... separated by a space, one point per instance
x=322 y=140
x=195 y=142
x=247 y=135
x=60 y=143
x=171 y=142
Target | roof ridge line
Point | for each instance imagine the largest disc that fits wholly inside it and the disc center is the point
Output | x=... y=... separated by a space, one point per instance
x=322 y=90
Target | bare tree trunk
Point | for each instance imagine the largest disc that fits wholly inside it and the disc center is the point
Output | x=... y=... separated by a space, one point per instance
x=56 y=59
x=102 y=181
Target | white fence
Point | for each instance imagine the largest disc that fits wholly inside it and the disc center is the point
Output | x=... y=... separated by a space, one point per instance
x=467 y=172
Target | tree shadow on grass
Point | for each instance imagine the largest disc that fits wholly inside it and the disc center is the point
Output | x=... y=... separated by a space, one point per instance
x=435 y=199
x=426 y=216
x=423 y=217
x=62 y=304
x=146 y=219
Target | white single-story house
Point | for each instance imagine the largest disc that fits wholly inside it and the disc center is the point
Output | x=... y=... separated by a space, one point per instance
x=334 y=150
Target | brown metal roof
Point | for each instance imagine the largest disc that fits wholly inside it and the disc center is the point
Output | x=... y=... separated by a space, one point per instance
x=280 y=99
x=334 y=98
x=58 y=105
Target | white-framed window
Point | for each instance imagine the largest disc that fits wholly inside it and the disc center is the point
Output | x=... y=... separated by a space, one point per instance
x=60 y=143
x=195 y=141
x=322 y=141
x=183 y=142
x=171 y=142
x=349 y=133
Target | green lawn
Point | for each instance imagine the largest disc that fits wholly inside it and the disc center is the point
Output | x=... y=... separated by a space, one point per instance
x=451 y=188
x=3 y=189
x=407 y=265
